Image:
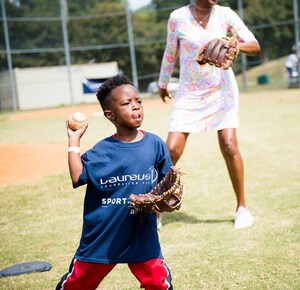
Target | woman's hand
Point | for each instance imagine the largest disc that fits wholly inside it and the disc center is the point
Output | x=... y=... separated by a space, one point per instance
x=164 y=93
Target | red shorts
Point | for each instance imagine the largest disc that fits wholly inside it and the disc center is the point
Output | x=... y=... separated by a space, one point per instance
x=152 y=275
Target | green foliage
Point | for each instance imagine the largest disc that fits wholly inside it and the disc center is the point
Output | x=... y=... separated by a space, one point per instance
x=276 y=40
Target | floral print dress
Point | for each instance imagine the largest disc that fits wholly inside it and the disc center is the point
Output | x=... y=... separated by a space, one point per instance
x=207 y=98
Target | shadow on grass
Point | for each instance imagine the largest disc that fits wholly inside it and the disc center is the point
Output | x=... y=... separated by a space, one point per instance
x=189 y=219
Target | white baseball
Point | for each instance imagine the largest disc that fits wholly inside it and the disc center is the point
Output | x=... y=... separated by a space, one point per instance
x=77 y=120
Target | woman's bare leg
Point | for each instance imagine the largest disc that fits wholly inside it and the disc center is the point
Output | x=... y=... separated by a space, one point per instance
x=229 y=148
x=175 y=143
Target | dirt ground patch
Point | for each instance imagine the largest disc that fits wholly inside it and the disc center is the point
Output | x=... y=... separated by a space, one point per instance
x=20 y=163
x=28 y=162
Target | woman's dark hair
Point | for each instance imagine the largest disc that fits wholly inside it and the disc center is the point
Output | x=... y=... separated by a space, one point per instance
x=104 y=91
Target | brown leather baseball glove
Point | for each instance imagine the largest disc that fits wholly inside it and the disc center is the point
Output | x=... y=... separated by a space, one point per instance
x=166 y=196
x=219 y=52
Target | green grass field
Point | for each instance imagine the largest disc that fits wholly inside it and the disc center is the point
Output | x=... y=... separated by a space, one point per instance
x=41 y=220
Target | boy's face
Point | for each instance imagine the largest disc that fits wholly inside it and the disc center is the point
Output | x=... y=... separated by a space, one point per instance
x=126 y=108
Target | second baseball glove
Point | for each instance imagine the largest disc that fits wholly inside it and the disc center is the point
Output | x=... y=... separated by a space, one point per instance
x=219 y=52
x=166 y=196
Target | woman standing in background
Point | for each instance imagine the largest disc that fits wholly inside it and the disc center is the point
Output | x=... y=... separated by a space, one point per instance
x=208 y=97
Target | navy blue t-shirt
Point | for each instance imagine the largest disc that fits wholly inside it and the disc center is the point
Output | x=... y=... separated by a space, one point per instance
x=113 y=232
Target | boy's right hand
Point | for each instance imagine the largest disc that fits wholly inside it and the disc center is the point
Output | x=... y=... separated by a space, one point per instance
x=76 y=134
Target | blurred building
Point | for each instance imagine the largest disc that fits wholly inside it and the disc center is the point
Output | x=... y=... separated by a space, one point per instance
x=44 y=87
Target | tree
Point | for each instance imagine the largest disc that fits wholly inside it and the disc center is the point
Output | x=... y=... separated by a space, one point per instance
x=270 y=26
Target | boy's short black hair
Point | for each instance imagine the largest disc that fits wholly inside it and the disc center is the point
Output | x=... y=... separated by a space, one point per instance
x=105 y=89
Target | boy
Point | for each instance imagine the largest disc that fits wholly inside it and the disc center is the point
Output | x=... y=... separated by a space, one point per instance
x=130 y=161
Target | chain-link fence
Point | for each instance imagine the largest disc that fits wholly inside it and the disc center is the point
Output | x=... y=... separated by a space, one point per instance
x=65 y=33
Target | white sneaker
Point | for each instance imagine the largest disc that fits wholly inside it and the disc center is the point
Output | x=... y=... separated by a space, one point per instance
x=243 y=218
x=158 y=221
